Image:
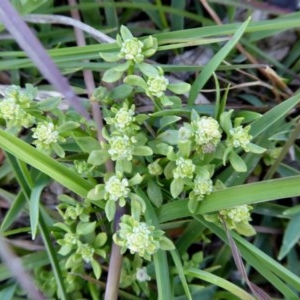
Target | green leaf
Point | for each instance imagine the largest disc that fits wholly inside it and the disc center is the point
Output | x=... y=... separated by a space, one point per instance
x=245 y=229
x=168 y=120
x=185 y=148
x=96 y=268
x=136 y=179
x=136 y=81
x=87 y=144
x=291 y=236
x=177 y=185
x=125 y=33
x=179 y=88
x=85 y=228
x=225 y=120
x=237 y=162
x=122 y=91
x=255 y=148
x=67 y=126
x=97 y=193
x=169 y=136
x=154 y=193
x=142 y=151
x=98 y=157
x=136 y=208
x=166 y=244
x=148 y=70
x=213 y=64
x=112 y=75
x=49 y=103
x=34 y=203
x=220 y=282
x=110 y=57
x=165 y=101
x=123 y=166
x=100 y=240
x=180 y=270
x=193 y=204
x=110 y=210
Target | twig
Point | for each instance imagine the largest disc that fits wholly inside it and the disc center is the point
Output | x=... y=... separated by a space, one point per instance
x=57 y=19
x=115 y=264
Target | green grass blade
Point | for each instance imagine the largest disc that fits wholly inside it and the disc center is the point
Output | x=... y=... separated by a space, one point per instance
x=290 y=237
x=44 y=163
x=34 y=203
x=14 y=211
x=179 y=267
x=218 y=281
x=234 y=196
x=52 y=255
x=213 y=64
x=273 y=115
x=177 y=22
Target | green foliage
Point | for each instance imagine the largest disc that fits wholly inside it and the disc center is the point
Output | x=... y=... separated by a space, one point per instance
x=170 y=167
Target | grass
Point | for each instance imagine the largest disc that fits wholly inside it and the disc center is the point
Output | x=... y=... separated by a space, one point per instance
x=237 y=76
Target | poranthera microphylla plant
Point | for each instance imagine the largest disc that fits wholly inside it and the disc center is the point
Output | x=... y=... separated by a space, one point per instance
x=158 y=157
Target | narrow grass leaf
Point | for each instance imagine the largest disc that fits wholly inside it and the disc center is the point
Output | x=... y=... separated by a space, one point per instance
x=179 y=267
x=213 y=64
x=291 y=236
x=14 y=211
x=218 y=281
x=44 y=163
x=34 y=203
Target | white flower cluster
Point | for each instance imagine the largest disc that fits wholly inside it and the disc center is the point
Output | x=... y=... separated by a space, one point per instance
x=185 y=168
x=157 y=86
x=131 y=49
x=236 y=215
x=121 y=147
x=207 y=133
x=124 y=118
x=45 y=135
x=240 y=137
x=116 y=188
x=85 y=251
x=137 y=237
x=202 y=186
x=12 y=108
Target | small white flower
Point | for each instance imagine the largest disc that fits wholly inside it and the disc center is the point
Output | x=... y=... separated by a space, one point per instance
x=116 y=188
x=141 y=275
x=202 y=186
x=185 y=168
x=123 y=118
x=45 y=135
x=207 y=133
x=239 y=214
x=120 y=147
x=157 y=85
x=132 y=50
x=240 y=137
x=137 y=237
x=86 y=252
